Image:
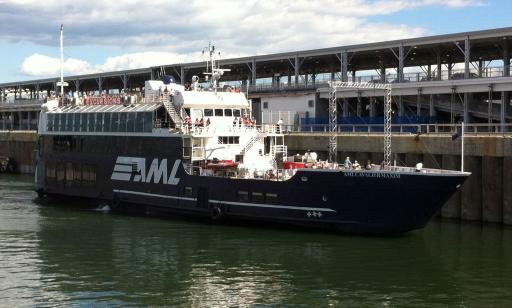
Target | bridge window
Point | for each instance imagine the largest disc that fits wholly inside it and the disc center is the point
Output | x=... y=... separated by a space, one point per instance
x=228 y=112
x=236 y=112
x=208 y=112
x=229 y=140
x=69 y=122
x=219 y=112
x=197 y=113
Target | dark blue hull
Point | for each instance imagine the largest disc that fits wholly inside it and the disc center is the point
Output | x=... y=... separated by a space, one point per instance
x=355 y=202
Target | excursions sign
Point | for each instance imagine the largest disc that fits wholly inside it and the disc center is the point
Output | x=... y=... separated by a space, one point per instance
x=103 y=100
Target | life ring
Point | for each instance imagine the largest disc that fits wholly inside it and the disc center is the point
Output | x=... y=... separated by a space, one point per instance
x=216 y=212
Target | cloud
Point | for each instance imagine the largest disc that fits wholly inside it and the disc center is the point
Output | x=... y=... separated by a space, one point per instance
x=169 y=31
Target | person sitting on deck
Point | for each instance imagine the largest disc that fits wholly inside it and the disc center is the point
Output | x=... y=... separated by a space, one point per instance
x=369 y=165
x=207 y=121
x=356 y=165
x=196 y=123
x=347 y=164
x=201 y=122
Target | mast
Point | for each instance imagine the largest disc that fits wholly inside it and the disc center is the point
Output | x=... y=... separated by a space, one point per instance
x=61 y=83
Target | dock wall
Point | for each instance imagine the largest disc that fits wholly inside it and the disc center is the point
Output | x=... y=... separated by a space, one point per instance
x=486 y=195
x=20 y=146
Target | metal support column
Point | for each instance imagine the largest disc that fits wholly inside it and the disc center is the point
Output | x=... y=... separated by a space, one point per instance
x=333 y=125
x=432 y=110
x=506 y=59
x=450 y=66
x=359 y=103
x=439 y=65
x=480 y=68
x=372 y=106
x=489 y=105
x=354 y=75
x=418 y=103
x=28 y=119
x=401 y=63
x=452 y=103
x=99 y=81
x=253 y=72
x=125 y=83
x=400 y=106
x=344 y=66
x=20 y=116
x=467 y=57
x=382 y=72
x=297 y=69
x=182 y=75
x=503 y=111
x=345 y=107
x=466 y=108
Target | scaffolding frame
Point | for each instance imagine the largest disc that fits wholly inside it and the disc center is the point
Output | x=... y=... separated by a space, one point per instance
x=334 y=86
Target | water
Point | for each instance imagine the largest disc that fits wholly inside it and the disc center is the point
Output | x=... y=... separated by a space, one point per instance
x=59 y=256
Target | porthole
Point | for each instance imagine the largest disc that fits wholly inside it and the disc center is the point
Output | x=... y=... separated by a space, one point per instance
x=324 y=198
x=304 y=179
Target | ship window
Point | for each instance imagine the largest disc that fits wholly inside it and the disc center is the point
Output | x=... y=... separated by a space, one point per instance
x=139 y=122
x=114 y=122
x=271 y=198
x=228 y=112
x=122 y=122
x=265 y=105
x=236 y=140
x=90 y=122
x=50 y=172
x=83 y=122
x=208 y=112
x=76 y=122
x=60 y=170
x=236 y=112
x=188 y=191
x=89 y=175
x=148 y=122
x=51 y=118
x=69 y=174
x=58 y=119
x=69 y=122
x=77 y=174
x=257 y=197
x=219 y=112
x=130 y=125
x=311 y=103
x=243 y=195
x=99 y=122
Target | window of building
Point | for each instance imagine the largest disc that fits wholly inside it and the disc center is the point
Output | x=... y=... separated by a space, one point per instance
x=219 y=112
x=265 y=105
x=243 y=195
x=208 y=112
x=311 y=103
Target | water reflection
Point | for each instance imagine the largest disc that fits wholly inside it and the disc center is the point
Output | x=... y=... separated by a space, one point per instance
x=54 y=255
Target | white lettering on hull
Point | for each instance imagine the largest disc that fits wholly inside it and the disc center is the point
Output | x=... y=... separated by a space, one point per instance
x=134 y=169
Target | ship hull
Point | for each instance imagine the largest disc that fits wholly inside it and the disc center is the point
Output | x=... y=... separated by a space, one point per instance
x=363 y=202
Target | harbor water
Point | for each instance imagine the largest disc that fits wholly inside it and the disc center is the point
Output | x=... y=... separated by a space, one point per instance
x=62 y=255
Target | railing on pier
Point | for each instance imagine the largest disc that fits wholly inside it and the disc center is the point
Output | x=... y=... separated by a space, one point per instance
x=362 y=129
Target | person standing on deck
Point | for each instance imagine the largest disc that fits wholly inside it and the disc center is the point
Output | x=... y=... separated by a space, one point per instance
x=347 y=164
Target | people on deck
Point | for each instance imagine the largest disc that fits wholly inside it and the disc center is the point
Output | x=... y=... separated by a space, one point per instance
x=356 y=165
x=347 y=164
x=369 y=165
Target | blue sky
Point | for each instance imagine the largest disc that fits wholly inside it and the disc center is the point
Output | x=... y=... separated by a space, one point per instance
x=128 y=34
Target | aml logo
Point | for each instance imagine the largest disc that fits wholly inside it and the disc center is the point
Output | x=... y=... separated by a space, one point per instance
x=134 y=169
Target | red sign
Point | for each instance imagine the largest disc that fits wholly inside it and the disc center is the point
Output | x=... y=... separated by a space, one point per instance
x=103 y=100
